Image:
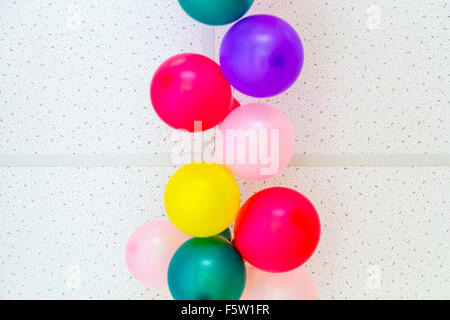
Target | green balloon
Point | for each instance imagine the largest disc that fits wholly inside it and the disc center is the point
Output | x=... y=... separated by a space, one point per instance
x=206 y=269
x=226 y=234
x=216 y=12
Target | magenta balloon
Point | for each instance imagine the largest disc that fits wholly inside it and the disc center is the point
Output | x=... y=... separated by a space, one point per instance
x=261 y=56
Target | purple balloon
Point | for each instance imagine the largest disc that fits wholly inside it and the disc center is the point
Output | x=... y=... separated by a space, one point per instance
x=261 y=56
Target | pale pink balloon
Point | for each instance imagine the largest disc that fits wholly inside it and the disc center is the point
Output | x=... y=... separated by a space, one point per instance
x=293 y=285
x=150 y=249
x=255 y=141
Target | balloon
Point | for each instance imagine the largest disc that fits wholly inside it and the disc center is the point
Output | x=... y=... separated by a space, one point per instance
x=216 y=12
x=226 y=234
x=234 y=104
x=293 y=285
x=190 y=87
x=261 y=56
x=255 y=141
x=202 y=199
x=277 y=230
x=206 y=269
x=149 y=250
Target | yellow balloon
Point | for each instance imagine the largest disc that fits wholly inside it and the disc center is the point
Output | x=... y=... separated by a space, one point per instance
x=202 y=199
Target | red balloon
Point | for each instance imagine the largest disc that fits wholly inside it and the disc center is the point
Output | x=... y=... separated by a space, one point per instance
x=277 y=230
x=190 y=87
x=234 y=104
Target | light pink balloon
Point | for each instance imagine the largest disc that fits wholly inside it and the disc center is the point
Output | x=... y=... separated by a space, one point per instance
x=150 y=249
x=293 y=285
x=255 y=141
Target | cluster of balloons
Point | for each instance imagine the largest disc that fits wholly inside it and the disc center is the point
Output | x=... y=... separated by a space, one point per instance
x=260 y=56
x=277 y=229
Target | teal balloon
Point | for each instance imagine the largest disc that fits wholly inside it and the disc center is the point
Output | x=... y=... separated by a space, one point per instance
x=216 y=12
x=206 y=269
x=226 y=234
